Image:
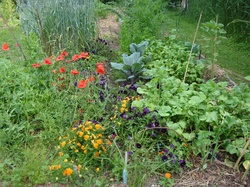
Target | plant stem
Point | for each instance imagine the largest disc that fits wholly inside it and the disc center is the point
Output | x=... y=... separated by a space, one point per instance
x=214 y=49
x=242 y=153
x=5 y=22
x=190 y=54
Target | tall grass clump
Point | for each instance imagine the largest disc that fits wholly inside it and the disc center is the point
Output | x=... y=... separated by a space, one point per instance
x=59 y=24
x=233 y=14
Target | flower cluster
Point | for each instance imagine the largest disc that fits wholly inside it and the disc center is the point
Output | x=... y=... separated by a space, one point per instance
x=68 y=71
x=82 y=147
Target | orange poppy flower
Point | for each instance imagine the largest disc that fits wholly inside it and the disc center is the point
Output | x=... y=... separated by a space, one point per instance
x=82 y=84
x=100 y=68
x=36 y=65
x=62 y=69
x=5 y=47
x=47 y=61
x=74 y=72
x=91 y=79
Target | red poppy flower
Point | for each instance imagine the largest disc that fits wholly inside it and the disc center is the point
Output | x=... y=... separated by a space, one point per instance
x=5 y=47
x=36 y=65
x=75 y=57
x=16 y=44
x=84 y=55
x=74 y=72
x=47 y=61
x=54 y=71
x=100 y=68
x=62 y=69
x=82 y=84
x=59 y=58
x=64 y=53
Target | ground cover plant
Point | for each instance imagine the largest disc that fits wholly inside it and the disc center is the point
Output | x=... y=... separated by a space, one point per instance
x=64 y=120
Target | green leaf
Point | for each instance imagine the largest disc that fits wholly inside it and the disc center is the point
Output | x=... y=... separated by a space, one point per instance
x=117 y=66
x=189 y=136
x=133 y=58
x=164 y=110
x=247 y=77
x=210 y=117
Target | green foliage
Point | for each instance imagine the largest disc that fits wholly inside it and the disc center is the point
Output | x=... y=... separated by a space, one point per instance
x=228 y=11
x=133 y=66
x=143 y=21
x=169 y=58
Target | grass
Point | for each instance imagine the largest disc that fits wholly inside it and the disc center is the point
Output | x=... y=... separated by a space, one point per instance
x=232 y=56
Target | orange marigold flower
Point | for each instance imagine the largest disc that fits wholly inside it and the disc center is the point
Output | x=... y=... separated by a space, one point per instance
x=62 y=69
x=99 y=141
x=58 y=167
x=98 y=126
x=86 y=137
x=60 y=153
x=63 y=143
x=67 y=171
x=96 y=145
x=5 y=47
x=80 y=133
x=97 y=154
x=36 y=65
x=74 y=72
x=47 y=61
x=167 y=175
x=100 y=68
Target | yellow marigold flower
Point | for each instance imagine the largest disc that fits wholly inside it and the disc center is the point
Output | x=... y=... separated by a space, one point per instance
x=67 y=171
x=63 y=143
x=86 y=169
x=73 y=129
x=95 y=145
x=65 y=160
x=104 y=149
x=80 y=176
x=72 y=147
x=52 y=168
x=60 y=153
x=88 y=122
x=168 y=175
x=83 y=147
x=79 y=167
x=58 y=147
x=118 y=123
x=90 y=127
x=122 y=109
x=99 y=141
x=124 y=105
x=79 y=144
x=86 y=137
x=59 y=138
x=80 y=133
x=98 y=126
x=85 y=151
x=97 y=169
x=76 y=151
x=99 y=135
